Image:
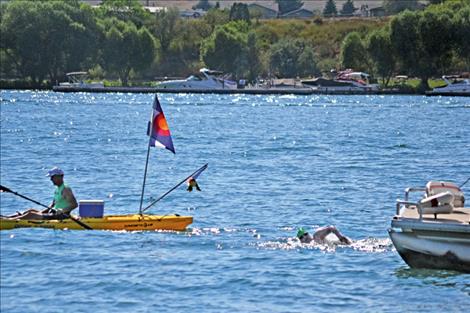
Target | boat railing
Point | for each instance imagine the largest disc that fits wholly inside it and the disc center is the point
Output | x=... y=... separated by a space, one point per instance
x=413 y=189
x=404 y=203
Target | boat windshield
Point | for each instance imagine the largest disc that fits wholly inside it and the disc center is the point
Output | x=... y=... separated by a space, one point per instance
x=194 y=77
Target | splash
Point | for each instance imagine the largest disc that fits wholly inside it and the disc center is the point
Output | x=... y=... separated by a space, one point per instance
x=368 y=245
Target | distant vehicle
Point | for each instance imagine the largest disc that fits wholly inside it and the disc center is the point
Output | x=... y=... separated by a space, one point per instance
x=205 y=79
x=344 y=81
x=456 y=87
x=77 y=79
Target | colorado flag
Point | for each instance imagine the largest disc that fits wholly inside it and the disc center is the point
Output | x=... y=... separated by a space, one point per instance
x=160 y=133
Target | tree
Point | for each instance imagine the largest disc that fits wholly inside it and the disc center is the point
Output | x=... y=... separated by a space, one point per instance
x=292 y=58
x=225 y=48
x=216 y=17
x=393 y=7
x=405 y=41
x=285 y=6
x=254 y=65
x=380 y=51
x=164 y=27
x=126 y=48
x=348 y=8
x=413 y=36
x=436 y=53
x=184 y=52
x=461 y=29
x=203 y=5
x=330 y=8
x=353 y=53
x=47 y=38
x=239 y=11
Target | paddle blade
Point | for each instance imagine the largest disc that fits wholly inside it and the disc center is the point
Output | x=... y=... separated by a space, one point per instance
x=5 y=189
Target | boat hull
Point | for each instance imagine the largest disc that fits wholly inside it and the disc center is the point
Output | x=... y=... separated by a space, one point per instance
x=134 y=222
x=433 y=250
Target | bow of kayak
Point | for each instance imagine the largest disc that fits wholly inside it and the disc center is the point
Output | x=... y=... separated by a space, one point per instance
x=133 y=222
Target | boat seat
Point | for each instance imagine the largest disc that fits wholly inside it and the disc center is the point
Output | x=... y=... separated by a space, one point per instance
x=437 y=204
x=436 y=187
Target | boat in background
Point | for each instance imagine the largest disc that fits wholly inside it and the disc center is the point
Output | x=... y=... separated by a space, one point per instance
x=457 y=87
x=77 y=80
x=433 y=232
x=345 y=81
x=204 y=80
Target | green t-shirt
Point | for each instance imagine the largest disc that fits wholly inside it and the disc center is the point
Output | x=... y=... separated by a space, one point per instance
x=59 y=201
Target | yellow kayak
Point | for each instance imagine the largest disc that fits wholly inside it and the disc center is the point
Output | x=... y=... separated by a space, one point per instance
x=131 y=222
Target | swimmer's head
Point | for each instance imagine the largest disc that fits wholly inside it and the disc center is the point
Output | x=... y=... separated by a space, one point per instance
x=301 y=232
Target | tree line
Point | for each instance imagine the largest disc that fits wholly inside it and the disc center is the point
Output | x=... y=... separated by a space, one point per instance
x=43 y=40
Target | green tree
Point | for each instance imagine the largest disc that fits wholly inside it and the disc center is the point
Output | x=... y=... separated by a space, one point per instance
x=405 y=41
x=353 y=52
x=239 y=11
x=380 y=51
x=47 y=38
x=164 y=27
x=184 y=52
x=292 y=58
x=225 y=48
x=203 y=5
x=396 y=6
x=126 y=48
x=413 y=36
x=285 y=6
x=461 y=30
x=215 y=18
x=348 y=8
x=436 y=53
x=330 y=8
x=252 y=58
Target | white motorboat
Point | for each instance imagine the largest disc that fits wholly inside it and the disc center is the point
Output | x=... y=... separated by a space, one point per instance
x=345 y=81
x=433 y=232
x=205 y=80
x=457 y=87
x=77 y=80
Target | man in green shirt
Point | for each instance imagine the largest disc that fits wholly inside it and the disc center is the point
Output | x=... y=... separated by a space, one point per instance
x=64 y=200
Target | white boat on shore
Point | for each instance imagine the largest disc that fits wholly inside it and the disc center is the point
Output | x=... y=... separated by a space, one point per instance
x=457 y=87
x=205 y=80
x=345 y=81
x=433 y=232
x=77 y=80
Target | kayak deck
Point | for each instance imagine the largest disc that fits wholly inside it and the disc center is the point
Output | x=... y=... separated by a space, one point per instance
x=133 y=222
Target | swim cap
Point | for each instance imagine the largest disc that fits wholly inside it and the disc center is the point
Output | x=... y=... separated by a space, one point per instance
x=301 y=232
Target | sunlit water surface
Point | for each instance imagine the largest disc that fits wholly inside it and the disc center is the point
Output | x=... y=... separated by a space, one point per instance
x=276 y=163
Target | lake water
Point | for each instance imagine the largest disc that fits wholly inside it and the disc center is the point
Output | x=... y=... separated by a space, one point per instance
x=276 y=163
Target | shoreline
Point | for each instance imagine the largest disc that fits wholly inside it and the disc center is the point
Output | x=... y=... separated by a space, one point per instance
x=249 y=91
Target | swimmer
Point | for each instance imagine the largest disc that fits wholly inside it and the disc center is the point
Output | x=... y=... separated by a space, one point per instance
x=320 y=235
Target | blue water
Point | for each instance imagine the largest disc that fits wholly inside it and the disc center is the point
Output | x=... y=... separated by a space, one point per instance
x=276 y=163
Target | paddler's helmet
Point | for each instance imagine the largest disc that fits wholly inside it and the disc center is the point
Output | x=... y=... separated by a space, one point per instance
x=301 y=232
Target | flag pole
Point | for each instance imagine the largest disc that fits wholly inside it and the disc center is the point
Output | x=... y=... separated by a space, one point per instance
x=149 y=131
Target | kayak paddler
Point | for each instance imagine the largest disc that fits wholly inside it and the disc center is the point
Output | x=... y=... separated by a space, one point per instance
x=64 y=200
x=320 y=234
